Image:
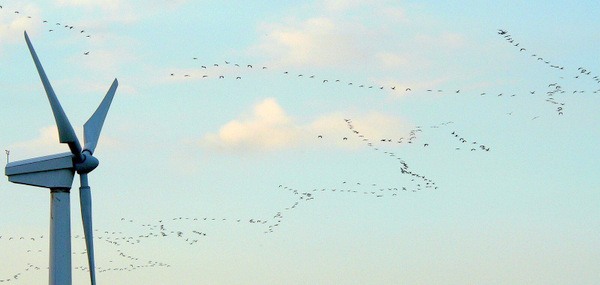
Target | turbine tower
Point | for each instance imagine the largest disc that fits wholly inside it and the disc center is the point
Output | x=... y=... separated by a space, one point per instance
x=56 y=172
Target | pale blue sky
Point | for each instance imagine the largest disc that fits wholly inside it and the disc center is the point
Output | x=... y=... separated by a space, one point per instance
x=524 y=212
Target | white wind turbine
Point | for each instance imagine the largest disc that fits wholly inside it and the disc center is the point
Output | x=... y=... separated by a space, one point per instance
x=56 y=172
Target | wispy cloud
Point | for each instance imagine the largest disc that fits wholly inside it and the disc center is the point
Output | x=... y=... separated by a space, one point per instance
x=315 y=41
x=409 y=49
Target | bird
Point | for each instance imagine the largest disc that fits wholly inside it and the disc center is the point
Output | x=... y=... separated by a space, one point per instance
x=86 y=53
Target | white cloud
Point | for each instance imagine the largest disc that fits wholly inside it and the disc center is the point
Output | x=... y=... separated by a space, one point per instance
x=320 y=41
x=47 y=143
x=12 y=25
x=363 y=36
x=268 y=128
x=343 y=4
x=120 y=10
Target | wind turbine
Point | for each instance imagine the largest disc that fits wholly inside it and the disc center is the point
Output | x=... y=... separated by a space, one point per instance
x=56 y=172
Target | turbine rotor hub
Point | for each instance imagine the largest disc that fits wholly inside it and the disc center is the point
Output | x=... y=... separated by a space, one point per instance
x=88 y=163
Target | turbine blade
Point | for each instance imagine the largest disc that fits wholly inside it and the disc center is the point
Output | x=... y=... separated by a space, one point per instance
x=65 y=130
x=92 y=128
x=85 y=199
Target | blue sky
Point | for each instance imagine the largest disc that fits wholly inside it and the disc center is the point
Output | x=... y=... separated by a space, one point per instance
x=192 y=145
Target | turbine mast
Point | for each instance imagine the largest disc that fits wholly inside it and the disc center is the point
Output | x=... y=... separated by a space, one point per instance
x=60 y=236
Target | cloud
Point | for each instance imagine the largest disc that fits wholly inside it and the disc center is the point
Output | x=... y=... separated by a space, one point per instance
x=114 y=10
x=377 y=37
x=269 y=128
x=12 y=25
x=344 y=4
x=320 y=41
x=47 y=143
x=121 y=11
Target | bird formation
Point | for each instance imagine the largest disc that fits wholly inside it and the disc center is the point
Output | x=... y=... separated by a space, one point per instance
x=36 y=245
x=580 y=70
x=235 y=70
x=422 y=181
x=53 y=27
x=472 y=145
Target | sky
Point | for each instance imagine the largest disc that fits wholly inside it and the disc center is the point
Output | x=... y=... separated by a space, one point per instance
x=312 y=142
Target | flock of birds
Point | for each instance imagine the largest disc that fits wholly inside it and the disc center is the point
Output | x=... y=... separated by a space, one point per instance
x=217 y=70
x=555 y=94
x=581 y=71
x=36 y=246
x=556 y=90
x=52 y=26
